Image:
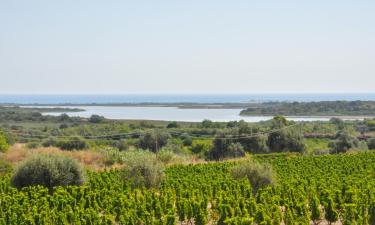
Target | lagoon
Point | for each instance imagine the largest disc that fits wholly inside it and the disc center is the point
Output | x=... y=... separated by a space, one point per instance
x=172 y=114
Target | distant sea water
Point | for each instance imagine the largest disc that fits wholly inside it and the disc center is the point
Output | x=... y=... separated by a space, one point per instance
x=173 y=113
x=180 y=98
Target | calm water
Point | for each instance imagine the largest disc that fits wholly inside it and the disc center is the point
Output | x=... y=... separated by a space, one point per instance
x=218 y=98
x=170 y=114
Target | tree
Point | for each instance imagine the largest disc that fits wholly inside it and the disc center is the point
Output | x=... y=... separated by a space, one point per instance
x=371 y=143
x=3 y=142
x=256 y=144
x=344 y=141
x=225 y=147
x=48 y=170
x=154 y=140
x=279 y=122
x=259 y=175
x=172 y=125
x=286 y=140
x=207 y=124
x=96 y=119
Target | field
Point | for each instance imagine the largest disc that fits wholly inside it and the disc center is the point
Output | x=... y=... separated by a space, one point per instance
x=342 y=185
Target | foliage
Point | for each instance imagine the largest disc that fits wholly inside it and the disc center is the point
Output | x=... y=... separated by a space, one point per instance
x=143 y=170
x=3 y=142
x=96 y=119
x=285 y=140
x=186 y=139
x=165 y=155
x=5 y=167
x=32 y=145
x=225 y=147
x=206 y=193
x=154 y=140
x=259 y=175
x=49 y=171
x=75 y=143
x=317 y=145
x=344 y=141
x=201 y=146
x=172 y=124
x=371 y=143
x=50 y=142
x=322 y=108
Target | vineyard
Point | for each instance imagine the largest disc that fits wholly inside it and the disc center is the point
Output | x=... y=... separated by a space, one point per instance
x=309 y=190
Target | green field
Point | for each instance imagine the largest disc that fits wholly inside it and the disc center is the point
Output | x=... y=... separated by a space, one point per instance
x=206 y=194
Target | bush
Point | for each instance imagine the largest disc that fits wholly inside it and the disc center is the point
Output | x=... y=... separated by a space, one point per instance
x=286 y=141
x=96 y=119
x=259 y=175
x=225 y=147
x=5 y=167
x=143 y=169
x=165 y=155
x=122 y=145
x=201 y=146
x=75 y=143
x=256 y=144
x=186 y=139
x=344 y=142
x=371 y=143
x=49 y=142
x=32 y=145
x=3 y=142
x=48 y=170
x=172 y=125
x=154 y=140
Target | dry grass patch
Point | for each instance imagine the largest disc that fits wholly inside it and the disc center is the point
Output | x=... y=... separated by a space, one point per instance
x=90 y=159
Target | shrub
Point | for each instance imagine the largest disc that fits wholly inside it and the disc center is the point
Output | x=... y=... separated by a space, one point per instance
x=122 y=145
x=75 y=143
x=96 y=119
x=165 y=155
x=201 y=146
x=49 y=142
x=3 y=142
x=5 y=167
x=143 y=169
x=154 y=140
x=33 y=145
x=371 y=143
x=225 y=147
x=172 y=125
x=344 y=141
x=186 y=139
x=286 y=140
x=256 y=144
x=48 y=170
x=259 y=175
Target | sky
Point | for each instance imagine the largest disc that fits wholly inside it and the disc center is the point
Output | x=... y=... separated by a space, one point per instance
x=190 y=47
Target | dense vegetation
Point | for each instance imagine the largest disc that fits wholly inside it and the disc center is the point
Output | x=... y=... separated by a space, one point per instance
x=312 y=188
x=323 y=108
x=146 y=184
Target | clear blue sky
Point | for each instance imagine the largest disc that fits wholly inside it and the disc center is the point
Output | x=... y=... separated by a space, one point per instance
x=253 y=46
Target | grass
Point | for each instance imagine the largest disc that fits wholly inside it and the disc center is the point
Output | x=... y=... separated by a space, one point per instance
x=316 y=144
x=90 y=159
